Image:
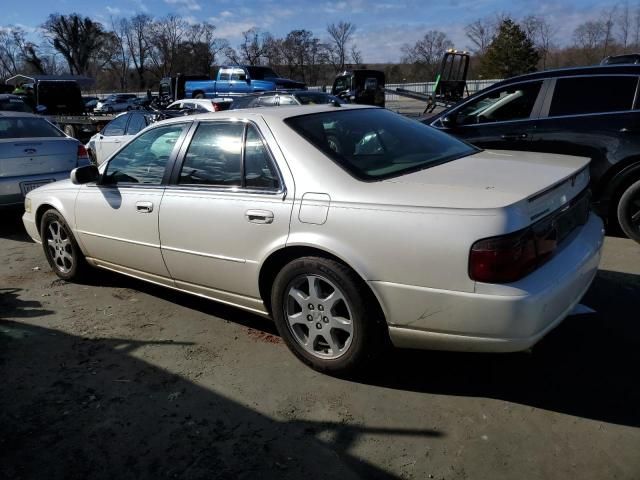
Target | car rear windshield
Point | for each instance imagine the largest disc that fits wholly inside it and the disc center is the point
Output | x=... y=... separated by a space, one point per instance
x=374 y=144
x=14 y=105
x=316 y=98
x=27 y=127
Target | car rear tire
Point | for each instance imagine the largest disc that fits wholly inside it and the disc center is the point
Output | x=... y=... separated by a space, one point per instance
x=629 y=211
x=327 y=315
x=60 y=247
x=70 y=131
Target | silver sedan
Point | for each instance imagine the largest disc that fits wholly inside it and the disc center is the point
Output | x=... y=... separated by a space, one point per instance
x=348 y=226
x=33 y=153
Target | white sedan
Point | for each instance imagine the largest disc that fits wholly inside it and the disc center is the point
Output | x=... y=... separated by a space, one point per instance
x=116 y=133
x=349 y=226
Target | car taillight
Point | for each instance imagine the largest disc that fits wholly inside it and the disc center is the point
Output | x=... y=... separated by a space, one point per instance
x=216 y=106
x=83 y=156
x=509 y=258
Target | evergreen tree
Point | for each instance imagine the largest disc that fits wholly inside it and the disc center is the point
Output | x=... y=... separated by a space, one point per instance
x=510 y=53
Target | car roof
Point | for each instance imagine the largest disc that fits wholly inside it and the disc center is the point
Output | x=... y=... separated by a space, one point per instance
x=620 y=69
x=268 y=113
x=281 y=92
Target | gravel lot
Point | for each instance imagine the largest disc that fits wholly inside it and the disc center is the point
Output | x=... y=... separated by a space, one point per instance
x=116 y=378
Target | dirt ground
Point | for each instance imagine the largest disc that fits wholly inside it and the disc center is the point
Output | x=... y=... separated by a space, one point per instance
x=116 y=378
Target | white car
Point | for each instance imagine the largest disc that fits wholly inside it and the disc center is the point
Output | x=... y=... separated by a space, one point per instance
x=116 y=133
x=119 y=102
x=199 y=105
x=347 y=225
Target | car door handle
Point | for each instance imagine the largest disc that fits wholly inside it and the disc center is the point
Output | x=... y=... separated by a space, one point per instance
x=629 y=130
x=144 y=207
x=259 y=216
x=514 y=136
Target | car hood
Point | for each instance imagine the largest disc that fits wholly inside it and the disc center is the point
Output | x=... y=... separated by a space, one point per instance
x=492 y=179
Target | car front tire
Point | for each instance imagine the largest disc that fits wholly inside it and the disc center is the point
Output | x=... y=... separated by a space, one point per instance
x=327 y=315
x=629 y=211
x=60 y=247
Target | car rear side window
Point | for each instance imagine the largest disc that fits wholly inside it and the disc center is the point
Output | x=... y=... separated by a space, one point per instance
x=597 y=94
x=259 y=171
x=214 y=156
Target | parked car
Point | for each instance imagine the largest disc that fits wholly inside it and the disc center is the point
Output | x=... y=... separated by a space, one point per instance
x=275 y=99
x=365 y=87
x=116 y=103
x=239 y=80
x=588 y=111
x=116 y=133
x=390 y=229
x=197 y=105
x=13 y=103
x=33 y=152
x=90 y=103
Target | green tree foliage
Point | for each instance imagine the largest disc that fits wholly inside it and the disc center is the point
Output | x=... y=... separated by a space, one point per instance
x=510 y=53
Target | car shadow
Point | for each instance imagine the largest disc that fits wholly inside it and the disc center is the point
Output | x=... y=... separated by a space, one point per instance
x=77 y=408
x=587 y=367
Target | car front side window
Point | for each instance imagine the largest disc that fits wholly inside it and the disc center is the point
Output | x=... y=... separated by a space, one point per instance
x=116 y=126
x=513 y=102
x=143 y=161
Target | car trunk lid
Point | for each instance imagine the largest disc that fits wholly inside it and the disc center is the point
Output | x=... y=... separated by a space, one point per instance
x=35 y=156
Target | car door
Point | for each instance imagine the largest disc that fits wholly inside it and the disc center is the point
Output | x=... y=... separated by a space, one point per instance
x=503 y=118
x=226 y=209
x=591 y=116
x=117 y=217
x=111 y=138
x=238 y=83
x=223 y=82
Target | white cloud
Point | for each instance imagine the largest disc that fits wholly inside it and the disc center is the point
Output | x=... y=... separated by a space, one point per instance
x=191 y=5
x=113 y=10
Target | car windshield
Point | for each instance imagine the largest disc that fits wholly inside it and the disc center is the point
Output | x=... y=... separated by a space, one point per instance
x=374 y=144
x=14 y=105
x=27 y=127
x=316 y=98
x=260 y=73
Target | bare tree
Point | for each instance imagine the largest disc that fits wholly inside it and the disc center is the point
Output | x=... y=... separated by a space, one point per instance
x=205 y=47
x=624 y=24
x=120 y=60
x=356 y=56
x=78 y=39
x=252 y=47
x=427 y=52
x=608 y=23
x=167 y=35
x=339 y=36
x=481 y=33
x=541 y=32
x=588 y=37
x=137 y=32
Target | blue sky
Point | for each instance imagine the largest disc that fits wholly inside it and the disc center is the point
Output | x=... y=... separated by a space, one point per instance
x=382 y=25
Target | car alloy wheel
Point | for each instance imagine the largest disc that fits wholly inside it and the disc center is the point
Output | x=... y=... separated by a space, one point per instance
x=318 y=316
x=60 y=246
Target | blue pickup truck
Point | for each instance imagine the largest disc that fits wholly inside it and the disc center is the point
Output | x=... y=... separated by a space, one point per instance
x=239 y=80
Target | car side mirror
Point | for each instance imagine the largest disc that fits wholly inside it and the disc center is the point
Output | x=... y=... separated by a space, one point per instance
x=86 y=174
x=449 y=121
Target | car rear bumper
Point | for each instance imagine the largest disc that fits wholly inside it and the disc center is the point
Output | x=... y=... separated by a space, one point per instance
x=11 y=192
x=495 y=318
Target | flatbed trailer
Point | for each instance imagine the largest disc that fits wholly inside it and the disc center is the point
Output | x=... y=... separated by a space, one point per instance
x=59 y=99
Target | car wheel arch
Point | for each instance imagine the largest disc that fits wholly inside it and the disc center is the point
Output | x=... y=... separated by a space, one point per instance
x=616 y=181
x=279 y=258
